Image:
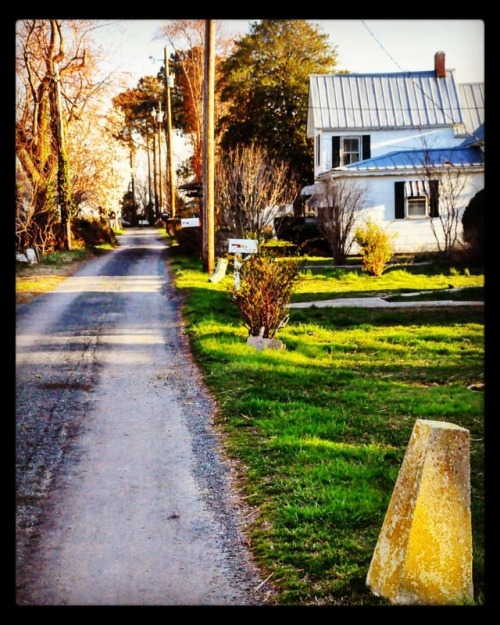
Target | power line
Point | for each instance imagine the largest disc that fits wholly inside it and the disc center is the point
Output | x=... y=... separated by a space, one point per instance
x=409 y=75
x=383 y=48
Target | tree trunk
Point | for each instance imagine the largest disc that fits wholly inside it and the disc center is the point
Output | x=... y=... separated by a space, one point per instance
x=63 y=179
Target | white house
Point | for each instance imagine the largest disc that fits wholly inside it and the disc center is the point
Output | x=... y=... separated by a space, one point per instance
x=413 y=140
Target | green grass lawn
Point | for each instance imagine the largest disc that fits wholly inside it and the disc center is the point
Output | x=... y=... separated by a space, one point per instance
x=331 y=283
x=318 y=431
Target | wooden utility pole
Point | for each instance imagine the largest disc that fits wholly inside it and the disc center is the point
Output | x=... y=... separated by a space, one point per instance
x=158 y=122
x=150 y=188
x=169 y=83
x=155 y=173
x=208 y=149
x=159 y=117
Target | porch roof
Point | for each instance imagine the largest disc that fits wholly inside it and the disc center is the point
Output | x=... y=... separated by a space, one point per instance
x=418 y=159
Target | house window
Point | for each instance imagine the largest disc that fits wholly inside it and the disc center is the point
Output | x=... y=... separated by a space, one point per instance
x=350 y=150
x=416 y=199
x=416 y=207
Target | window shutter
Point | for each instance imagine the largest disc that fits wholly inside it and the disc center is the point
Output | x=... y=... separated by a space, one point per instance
x=434 y=198
x=318 y=150
x=399 y=200
x=366 y=147
x=335 y=151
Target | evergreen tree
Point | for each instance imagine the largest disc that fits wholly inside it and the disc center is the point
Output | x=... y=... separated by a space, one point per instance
x=266 y=83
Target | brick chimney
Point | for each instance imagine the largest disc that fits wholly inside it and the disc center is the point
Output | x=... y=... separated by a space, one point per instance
x=439 y=65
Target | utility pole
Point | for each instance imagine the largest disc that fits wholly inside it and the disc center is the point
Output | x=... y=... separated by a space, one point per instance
x=208 y=148
x=150 y=190
x=158 y=120
x=155 y=172
x=169 y=83
x=132 y=181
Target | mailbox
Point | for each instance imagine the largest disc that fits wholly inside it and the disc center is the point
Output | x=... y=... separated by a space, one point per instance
x=243 y=246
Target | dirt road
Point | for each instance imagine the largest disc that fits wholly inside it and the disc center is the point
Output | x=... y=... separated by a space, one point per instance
x=122 y=495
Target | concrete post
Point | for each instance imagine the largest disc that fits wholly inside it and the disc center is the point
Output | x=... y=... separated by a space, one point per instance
x=424 y=551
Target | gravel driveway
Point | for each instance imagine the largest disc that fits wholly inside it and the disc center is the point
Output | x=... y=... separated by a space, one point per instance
x=123 y=497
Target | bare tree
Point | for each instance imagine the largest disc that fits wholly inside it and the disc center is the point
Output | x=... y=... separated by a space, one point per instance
x=251 y=186
x=447 y=183
x=53 y=71
x=340 y=204
x=99 y=163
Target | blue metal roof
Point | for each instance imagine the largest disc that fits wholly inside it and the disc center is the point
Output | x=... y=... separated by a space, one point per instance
x=412 y=159
x=375 y=101
x=476 y=138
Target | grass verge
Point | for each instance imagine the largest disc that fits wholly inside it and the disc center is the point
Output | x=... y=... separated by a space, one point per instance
x=318 y=431
x=34 y=280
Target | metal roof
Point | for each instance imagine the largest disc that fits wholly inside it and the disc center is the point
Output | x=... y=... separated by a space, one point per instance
x=375 y=101
x=472 y=101
x=412 y=159
x=477 y=138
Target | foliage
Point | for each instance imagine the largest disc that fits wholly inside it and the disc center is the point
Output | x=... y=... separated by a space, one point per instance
x=136 y=106
x=93 y=232
x=473 y=226
x=57 y=102
x=189 y=240
x=306 y=236
x=265 y=84
x=38 y=229
x=96 y=177
x=316 y=433
x=264 y=293
x=251 y=186
x=139 y=129
x=376 y=248
x=62 y=258
x=40 y=130
x=187 y=64
x=341 y=201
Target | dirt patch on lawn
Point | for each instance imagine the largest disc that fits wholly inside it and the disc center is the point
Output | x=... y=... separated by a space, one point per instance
x=34 y=280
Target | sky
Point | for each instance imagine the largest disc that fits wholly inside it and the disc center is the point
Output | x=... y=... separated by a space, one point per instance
x=363 y=46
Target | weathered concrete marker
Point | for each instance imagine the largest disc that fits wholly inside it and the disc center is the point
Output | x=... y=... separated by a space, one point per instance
x=424 y=551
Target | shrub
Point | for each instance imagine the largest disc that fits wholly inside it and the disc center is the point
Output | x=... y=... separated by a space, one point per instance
x=265 y=287
x=376 y=248
x=473 y=227
x=91 y=232
x=306 y=236
x=189 y=241
x=173 y=226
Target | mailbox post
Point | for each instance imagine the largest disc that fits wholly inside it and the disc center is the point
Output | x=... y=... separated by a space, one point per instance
x=238 y=247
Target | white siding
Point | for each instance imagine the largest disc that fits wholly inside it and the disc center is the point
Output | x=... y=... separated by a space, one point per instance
x=411 y=235
x=386 y=141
